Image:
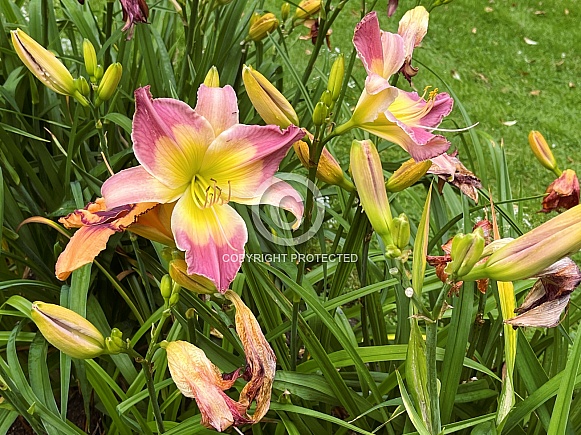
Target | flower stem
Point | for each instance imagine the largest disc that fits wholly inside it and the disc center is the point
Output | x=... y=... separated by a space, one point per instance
x=431 y=343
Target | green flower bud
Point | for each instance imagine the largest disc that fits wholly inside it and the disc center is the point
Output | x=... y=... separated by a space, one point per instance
x=407 y=174
x=109 y=83
x=285 y=11
x=82 y=86
x=400 y=231
x=196 y=283
x=99 y=72
x=212 y=79
x=327 y=98
x=320 y=113
x=336 y=77
x=466 y=252
x=115 y=343
x=90 y=57
x=165 y=287
x=262 y=25
x=68 y=331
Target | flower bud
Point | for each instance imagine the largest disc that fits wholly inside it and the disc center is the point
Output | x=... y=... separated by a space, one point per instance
x=109 y=83
x=45 y=66
x=115 y=343
x=285 y=11
x=82 y=86
x=99 y=71
x=400 y=231
x=270 y=104
x=336 y=77
x=212 y=79
x=165 y=287
x=328 y=171
x=466 y=252
x=327 y=98
x=90 y=57
x=68 y=331
x=262 y=26
x=196 y=283
x=368 y=177
x=543 y=152
x=534 y=251
x=407 y=174
x=320 y=113
x=306 y=9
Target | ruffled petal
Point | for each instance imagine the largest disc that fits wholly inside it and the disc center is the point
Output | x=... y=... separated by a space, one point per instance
x=219 y=106
x=82 y=249
x=243 y=157
x=169 y=138
x=280 y=194
x=382 y=53
x=213 y=239
x=135 y=185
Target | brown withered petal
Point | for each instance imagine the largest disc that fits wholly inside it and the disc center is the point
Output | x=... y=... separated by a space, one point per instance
x=451 y=170
x=313 y=25
x=563 y=193
x=260 y=359
x=134 y=11
x=196 y=377
x=549 y=295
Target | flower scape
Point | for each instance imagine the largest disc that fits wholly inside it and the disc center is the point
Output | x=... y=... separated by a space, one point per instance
x=237 y=239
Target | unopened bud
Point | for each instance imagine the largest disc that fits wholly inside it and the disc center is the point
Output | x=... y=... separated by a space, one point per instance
x=109 y=83
x=392 y=251
x=285 y=11
x=466 y=252
x=175 y=295
x=99 y=71
x=165 y=287
x=82 y=86
x=306 y=9
x=336 y=77
x=270 y=104
x=196 y=283
x=262 y=26
x=90 y=57
x=327 y=98
x=543 y=152
x=407 y=174
x=328 y=171
x=68 y=331
x=400 y=231
x=320 y=113
x=212 y=79
x=115 y=343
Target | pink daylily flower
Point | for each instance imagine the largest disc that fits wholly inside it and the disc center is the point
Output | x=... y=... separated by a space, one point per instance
x=203 y=158
x=413 y=26
x=404 y=118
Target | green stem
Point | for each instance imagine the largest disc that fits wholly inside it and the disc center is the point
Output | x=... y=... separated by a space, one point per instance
x=147 y=371
x=431 y=344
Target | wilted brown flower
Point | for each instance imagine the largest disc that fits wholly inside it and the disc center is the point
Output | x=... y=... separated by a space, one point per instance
x=134 y=11
x=450 y=169
x=549 y=296
x=260 y=359
x=313 y=25
x=563 y=193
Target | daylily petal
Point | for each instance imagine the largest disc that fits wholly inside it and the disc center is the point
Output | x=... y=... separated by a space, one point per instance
x=136 y=185
x=369 y=106
x=243 y=157
x=260 y=359
x=382 y=53
x=546 y=315
x=411 y=109
x=219 y=106
x=196 y=377
x=413 y=26
x=420 y=144
x=97 y=225
x=156 y=224
x=82 y=249
x=280 y=194
x=169 y=138
x=213 y=239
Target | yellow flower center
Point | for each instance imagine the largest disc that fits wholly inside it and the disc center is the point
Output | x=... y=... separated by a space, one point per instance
x=207 y=192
